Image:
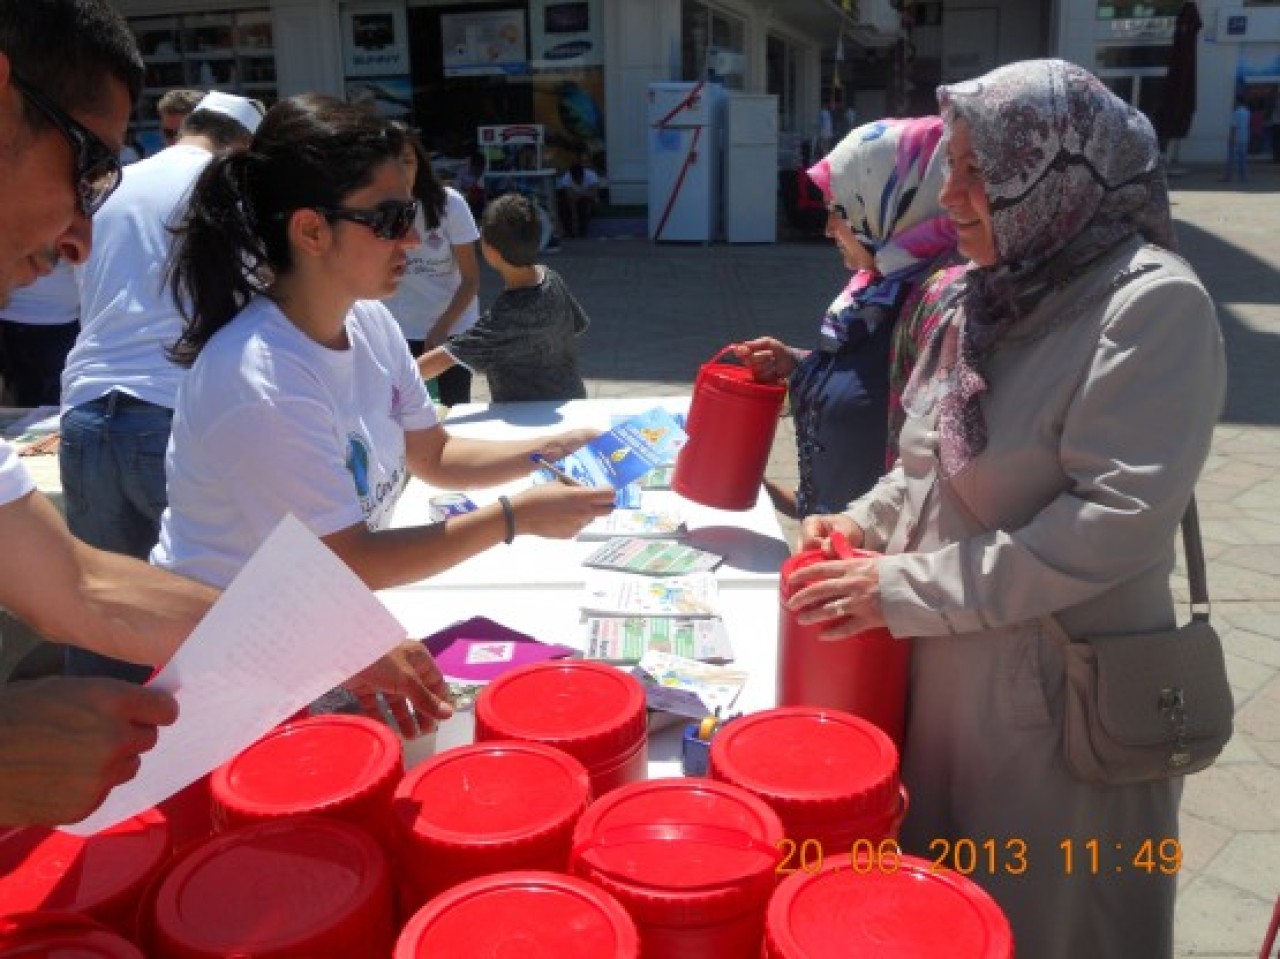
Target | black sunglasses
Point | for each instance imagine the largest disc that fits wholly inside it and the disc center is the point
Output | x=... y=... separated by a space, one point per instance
x=389 y=220
x=97 y=166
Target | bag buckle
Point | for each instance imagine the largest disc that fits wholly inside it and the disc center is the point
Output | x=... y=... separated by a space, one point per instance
x=1173 y=705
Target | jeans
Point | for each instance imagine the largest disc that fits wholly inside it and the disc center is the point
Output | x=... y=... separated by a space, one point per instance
x=1238 y=162
x=113 y=484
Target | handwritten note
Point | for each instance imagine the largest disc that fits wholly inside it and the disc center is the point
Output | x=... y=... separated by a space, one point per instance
x=293 y=624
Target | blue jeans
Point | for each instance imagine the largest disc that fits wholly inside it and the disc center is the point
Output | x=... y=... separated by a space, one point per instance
x=113 y=485
x=1238 y=162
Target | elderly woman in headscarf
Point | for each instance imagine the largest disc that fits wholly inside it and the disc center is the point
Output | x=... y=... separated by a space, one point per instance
x=1055 y=428
x=881 y=184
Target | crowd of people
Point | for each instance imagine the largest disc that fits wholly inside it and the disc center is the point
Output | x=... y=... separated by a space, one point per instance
x=983 y=409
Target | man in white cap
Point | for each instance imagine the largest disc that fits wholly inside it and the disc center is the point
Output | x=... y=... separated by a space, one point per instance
x=119 y=388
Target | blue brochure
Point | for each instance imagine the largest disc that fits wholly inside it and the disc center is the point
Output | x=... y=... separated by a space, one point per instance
x=628 y=451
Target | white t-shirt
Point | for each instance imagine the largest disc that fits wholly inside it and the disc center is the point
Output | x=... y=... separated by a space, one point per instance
x=589 y=179
x=127 y=316
x=52 y=300
x=432 y=276
x=15 y=481
x=269 y=422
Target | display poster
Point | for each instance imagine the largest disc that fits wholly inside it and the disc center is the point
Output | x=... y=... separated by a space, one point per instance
x=491 y=42
x=375 y=40
x=565 y=33
x=569 y=105
x=390 y=97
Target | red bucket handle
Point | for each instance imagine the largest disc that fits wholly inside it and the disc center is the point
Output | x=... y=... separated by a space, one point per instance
x=840 y=545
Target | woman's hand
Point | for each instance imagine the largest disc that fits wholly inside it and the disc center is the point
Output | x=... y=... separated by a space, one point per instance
x=768 y=359
x=815 y=532
x=411 y=685
x=557 y=511
x=842 y=595
x=559 y=446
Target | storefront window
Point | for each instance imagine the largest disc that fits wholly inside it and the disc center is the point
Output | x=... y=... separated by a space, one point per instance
x=230 y=50
x=713 y=45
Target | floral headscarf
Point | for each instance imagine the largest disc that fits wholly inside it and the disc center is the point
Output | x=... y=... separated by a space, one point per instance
x=887 y=176
x=1071 y=171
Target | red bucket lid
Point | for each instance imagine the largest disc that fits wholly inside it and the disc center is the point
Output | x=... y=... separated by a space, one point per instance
x=61 y=935
x=102 y=875
x=521 y=914
x=592 y=711
x=913 y=912
x=303 y=886
x=679 y=851
x=809 y=763
x=739 y=380
x=493 y=795
x=311 y=766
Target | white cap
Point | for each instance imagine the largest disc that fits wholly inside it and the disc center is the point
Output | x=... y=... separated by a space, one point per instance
x=248 y=113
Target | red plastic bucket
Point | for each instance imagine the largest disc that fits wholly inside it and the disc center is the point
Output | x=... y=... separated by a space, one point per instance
x=883 y=909
x=61 y=935
x=592 y=711
x=866 y=674
x=103 y=876
x=693 y=861
x=521 y=914
x=488 y=808
x=296 y=887
x=732 y=419
x=832 y=778
x=337 y=766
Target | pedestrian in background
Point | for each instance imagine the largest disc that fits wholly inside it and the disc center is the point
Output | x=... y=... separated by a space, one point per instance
x=1238 y=143
x=38 y=327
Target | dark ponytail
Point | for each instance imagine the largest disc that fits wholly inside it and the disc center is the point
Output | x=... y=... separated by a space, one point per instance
x=310 y=151
x=212 y=270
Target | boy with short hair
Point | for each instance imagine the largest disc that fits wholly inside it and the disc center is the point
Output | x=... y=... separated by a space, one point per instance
x=525 y=344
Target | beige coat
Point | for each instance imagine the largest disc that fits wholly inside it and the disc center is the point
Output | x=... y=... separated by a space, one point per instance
x=1099 y=415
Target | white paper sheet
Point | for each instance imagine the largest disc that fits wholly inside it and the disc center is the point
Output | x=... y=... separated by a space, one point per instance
x=293 y=624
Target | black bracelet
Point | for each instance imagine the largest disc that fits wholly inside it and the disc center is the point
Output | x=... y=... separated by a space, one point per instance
x=509 y=515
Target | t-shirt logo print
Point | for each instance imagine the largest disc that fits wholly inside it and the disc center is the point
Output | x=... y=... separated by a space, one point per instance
x=358 y=463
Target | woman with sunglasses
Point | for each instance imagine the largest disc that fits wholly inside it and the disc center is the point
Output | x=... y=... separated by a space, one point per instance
x=302 y=396
x=881 y=184
x=438 y=297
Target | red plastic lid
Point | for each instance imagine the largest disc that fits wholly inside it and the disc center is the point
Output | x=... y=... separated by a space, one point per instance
x=492 y=795
x=592 y=711
x=303 y=886
x=61 y=935
x=739 y=380
x=102 y=875
x=809 y=557
x=311 y=766
x=679 y=851
x=911 y=913
x=809 y=763
x=521 y=914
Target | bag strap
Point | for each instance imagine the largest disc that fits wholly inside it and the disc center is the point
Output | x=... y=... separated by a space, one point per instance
x=1196 y=577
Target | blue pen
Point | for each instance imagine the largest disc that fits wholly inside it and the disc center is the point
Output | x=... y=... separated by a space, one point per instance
x=554 y=470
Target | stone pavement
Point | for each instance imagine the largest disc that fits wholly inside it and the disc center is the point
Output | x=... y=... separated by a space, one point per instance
x=661 y=311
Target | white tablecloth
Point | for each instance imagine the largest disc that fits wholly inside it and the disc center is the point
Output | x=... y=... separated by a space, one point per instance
x=534 y=585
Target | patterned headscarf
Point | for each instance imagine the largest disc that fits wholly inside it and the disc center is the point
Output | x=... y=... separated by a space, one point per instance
x=1071 y=171
x=887 y=176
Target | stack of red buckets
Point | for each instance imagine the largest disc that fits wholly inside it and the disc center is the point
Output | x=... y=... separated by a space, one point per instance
x=325 y=849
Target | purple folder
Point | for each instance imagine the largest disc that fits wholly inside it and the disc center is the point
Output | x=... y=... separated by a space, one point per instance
x=478 y=650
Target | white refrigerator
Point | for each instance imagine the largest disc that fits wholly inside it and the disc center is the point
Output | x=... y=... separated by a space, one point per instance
x=751 y=168
x=684 y=161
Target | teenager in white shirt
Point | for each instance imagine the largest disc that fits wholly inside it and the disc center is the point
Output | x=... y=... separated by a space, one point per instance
x=438 y=296
x=301 y=398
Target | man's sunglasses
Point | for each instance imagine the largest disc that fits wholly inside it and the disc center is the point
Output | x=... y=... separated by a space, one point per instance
x=389 y=220
x=97 y=166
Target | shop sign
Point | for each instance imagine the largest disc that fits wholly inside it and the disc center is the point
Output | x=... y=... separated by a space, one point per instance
x=565 y=33
x=490 y=42
x=375 y=40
